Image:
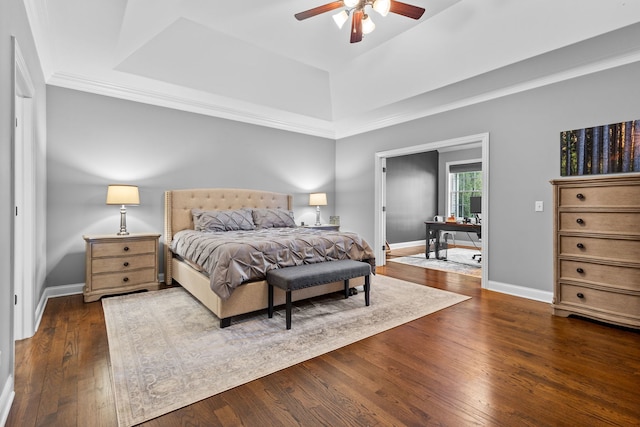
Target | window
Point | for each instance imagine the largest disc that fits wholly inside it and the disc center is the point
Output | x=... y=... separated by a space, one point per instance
x=465 y=181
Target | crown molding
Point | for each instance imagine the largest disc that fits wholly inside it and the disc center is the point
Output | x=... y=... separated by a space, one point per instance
x=399 y=115
x=205 y=104
x=395 y=114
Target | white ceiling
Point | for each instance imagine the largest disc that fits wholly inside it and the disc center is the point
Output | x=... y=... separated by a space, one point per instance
x=251 y=60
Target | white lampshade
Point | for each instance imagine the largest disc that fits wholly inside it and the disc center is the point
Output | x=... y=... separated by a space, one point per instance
x=341 y=18
x=367 y=25
x=123 y=195
x=382 y=6
x=351 y=3
x=318 y=199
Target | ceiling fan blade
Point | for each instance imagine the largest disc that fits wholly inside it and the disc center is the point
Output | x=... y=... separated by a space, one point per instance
x=356 y=26
x=407 y=10
x=318 y=10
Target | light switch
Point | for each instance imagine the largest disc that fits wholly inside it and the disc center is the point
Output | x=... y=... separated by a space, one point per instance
x=539 y=206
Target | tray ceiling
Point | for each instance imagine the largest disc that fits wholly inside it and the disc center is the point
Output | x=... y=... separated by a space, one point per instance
x=253 y=61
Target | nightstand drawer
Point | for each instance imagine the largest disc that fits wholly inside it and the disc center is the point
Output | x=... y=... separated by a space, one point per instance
x=600 y=222
x=615 y=196
x=592 y=247
x=601 y=300
x=118 y=280
x=105 y=249
x=125 y=263
x=618 y=277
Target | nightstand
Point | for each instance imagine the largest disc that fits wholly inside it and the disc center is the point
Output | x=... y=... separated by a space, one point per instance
x=119 y=264
x=333 y=227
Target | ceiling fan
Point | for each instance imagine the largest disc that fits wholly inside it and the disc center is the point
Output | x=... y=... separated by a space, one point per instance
x=361 y=23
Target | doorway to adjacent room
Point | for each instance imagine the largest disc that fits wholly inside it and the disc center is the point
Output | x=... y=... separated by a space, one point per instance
x=481 y=140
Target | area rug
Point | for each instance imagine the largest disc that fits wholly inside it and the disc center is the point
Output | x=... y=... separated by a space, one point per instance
x=459 y=260
x=167 y=350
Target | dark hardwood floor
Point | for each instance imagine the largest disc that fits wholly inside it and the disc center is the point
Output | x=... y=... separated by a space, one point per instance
x=494 y=360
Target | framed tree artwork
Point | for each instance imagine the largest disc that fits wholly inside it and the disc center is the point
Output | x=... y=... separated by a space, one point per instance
x=613 y=148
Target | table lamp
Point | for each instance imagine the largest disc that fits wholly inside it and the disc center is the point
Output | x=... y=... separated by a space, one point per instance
x=317 y=200
x=122 y=194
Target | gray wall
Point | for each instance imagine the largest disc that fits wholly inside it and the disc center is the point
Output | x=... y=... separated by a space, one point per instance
x=411 y=195
x=13 y=22
x=524 y=155
x=95 y=140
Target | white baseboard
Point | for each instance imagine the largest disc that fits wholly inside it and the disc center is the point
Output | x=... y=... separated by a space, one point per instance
x=403 y=245
x=520 y=291
x=6 y=399
x=53 y=292
x=422 y=243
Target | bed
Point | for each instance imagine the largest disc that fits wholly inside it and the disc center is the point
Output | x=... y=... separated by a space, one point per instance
x=252 y=294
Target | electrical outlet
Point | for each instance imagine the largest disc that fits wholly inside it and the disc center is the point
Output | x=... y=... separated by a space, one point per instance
x=539 y=206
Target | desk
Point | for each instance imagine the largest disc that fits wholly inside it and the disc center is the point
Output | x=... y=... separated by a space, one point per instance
x=436 y=227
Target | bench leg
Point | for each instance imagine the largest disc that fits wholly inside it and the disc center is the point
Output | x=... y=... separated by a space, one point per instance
x=346 y=289
x=225 y=323
x=270 y=305
x=367 y=288
x=288 y=309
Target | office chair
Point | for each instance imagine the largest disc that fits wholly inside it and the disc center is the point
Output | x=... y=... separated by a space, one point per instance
x=475 y=205
x=478 y=256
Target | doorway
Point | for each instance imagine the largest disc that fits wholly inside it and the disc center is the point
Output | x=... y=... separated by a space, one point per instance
x=380 y=191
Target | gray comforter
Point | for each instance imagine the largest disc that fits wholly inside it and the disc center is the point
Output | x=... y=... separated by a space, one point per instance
x=231 y=258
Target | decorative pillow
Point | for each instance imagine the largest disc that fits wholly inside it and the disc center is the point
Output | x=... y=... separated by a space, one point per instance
x=272 y=218
x=236 y=219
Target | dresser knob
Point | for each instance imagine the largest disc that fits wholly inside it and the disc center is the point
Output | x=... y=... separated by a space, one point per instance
x=580 y=221
x=580 y=196
x=126 y=264
x=126 y=248
x=580 y=246
x=126 y=279
x=580 y=295
x=579 y=270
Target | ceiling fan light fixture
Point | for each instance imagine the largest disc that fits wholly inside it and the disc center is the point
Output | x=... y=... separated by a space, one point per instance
x=382 y=6
x=351 y=3
x=367 y=25
x=340 y=18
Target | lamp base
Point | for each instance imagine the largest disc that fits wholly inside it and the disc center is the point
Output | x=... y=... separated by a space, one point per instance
x=123 y=222
x=318 y=215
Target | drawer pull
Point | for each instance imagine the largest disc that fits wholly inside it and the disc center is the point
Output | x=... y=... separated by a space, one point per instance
x=126 y=264
x=579 y=270
x=580 y=295
x=580 y=246
x=126 y=279
x=580 y=196
x=126 y=248
x=580 y=221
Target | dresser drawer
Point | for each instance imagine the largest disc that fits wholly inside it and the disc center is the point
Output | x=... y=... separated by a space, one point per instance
x=624 y=278
x=105 y=249
x=607 y=301
x=607 y=249
x=608 y=196
x=125 y=263
x=600 y=222
x=118 y=280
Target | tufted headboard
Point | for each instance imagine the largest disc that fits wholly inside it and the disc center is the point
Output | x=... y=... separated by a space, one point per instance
x=178 y=205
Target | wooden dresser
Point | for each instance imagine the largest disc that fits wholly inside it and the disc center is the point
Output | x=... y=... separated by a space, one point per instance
x=597 y=248
x=119 y=264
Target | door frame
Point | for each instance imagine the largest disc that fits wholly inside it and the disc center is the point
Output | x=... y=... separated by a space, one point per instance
x=23 y=271
x=380 y=197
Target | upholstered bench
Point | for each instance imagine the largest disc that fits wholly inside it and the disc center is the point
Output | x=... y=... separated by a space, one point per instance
x=306 y=275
